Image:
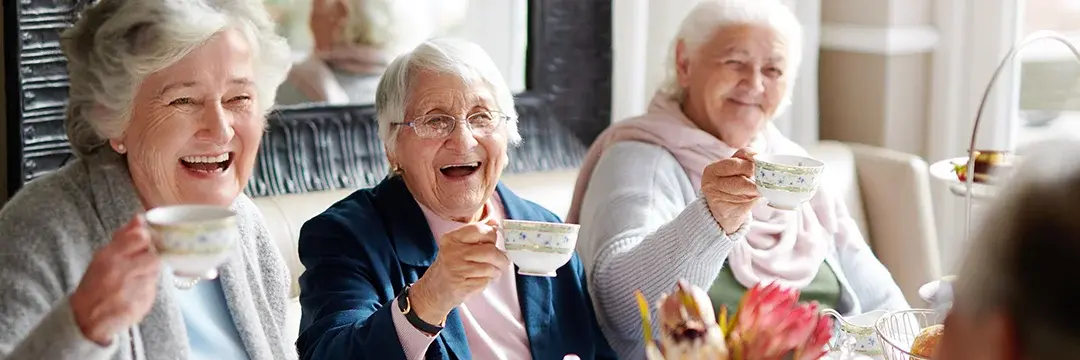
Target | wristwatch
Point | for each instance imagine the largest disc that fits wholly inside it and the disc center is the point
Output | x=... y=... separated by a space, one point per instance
x=405 y=306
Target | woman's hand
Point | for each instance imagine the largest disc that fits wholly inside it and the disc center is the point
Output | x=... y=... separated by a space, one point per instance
x=467 y=262
x=119 y=286
x=729 y=191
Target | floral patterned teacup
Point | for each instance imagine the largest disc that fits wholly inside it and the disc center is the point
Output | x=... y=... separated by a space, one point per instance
x=539 y=248
x=193 y=240
x=856 y=333
x=786 y=181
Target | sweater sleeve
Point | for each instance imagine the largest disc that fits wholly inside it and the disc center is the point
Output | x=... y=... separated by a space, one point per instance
x=40 y=242
x=640 y=232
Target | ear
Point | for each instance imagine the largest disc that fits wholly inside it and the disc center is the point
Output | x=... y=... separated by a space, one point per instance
x=117 y=145
x=682 y=64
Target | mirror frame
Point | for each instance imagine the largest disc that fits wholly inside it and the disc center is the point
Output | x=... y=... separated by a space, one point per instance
x=566 y=104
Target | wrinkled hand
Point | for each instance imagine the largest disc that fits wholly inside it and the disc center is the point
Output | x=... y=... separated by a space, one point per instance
x=119 y=286
x=729 y=191
x=466 y=263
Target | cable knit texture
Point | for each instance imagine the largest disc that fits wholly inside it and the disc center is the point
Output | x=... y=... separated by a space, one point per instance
x=51 y=229
x=644 y=227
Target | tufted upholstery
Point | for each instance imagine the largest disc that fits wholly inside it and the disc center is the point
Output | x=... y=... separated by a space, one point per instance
x=886 y=191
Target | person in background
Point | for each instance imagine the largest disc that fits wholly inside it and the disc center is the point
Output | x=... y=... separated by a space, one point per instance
x=668 y=195
x=354 y=42
x=167 y=106
x=1014 y=296
x=414 y=268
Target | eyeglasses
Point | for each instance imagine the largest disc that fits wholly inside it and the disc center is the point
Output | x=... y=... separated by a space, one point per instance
x=434 y=126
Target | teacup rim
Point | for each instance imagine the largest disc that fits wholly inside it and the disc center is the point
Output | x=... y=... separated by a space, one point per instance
x=567 y=226
x=820 y=163
x=228 y=215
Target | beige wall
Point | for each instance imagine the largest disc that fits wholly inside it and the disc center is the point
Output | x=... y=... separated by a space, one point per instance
x=874 y=93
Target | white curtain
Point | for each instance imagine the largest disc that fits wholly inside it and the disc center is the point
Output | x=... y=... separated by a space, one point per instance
x=643 y=49
x=800 y=122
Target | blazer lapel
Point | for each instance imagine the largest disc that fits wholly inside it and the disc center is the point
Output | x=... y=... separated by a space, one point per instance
x=534 y=292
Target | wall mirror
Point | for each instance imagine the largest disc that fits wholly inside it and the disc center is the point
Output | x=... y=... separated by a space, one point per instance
x=555 y=55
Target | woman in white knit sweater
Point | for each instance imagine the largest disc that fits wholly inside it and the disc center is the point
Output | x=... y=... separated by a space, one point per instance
x=667 y=195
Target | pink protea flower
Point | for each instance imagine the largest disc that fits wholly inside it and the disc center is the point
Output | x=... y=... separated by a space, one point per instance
x=771 y=324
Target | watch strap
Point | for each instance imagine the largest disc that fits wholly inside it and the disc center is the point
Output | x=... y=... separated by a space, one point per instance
x=405 y=306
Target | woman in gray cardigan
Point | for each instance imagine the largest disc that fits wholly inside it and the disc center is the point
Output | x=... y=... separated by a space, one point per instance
x=668 y=196
x=167 y=106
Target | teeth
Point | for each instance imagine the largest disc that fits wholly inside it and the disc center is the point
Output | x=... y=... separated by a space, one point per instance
x=206 y=159
x=472 y=164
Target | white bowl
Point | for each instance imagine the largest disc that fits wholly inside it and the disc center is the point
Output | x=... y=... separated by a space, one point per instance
x=193 y=239
x=786 y=181
x=539 y=248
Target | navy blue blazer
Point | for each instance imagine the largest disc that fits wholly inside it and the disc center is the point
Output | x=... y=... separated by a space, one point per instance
x=362 y=251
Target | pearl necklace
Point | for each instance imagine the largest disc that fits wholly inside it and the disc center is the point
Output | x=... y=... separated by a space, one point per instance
x=184 y=282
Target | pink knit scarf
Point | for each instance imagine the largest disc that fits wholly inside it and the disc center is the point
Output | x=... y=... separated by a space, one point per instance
x=787 y=247
x=315 y=79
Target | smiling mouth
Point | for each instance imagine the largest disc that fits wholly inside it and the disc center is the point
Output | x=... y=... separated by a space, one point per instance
x=460 y=170
x=207 y=164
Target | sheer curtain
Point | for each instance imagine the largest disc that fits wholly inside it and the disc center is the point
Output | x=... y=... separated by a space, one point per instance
x=800 y=122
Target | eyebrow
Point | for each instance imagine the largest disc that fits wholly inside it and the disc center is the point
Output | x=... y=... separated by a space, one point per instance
x=187 y=84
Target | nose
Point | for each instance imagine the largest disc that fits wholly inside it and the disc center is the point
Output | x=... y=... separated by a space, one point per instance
x=215 y=126
x=753 y=81
x=462 y=138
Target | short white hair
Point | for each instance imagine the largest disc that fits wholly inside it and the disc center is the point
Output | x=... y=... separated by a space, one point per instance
x=116 y=44
x=709 y=16
x=460 y=58
x=1027 y=245
x=392 y=25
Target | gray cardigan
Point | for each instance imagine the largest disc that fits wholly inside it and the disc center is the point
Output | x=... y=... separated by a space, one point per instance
x=48 y=234
x=644 y=226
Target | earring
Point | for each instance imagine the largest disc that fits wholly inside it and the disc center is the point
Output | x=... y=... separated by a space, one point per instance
x=120 y=148
x=397 y=170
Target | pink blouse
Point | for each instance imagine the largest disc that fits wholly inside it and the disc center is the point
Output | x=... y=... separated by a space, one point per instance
x=494 y=327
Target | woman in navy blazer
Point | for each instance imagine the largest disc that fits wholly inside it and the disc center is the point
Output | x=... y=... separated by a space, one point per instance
x=413 y=268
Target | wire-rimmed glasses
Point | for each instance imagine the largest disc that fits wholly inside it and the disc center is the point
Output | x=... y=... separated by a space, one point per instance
x=432 y=126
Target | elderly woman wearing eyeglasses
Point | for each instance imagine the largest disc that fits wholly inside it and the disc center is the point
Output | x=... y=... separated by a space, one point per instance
x=413 y=268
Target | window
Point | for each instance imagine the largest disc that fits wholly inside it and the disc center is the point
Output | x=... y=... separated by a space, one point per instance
x=1049 y=87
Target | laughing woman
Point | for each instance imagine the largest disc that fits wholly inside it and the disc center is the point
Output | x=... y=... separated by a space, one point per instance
x=413 y=268
x=167 y=105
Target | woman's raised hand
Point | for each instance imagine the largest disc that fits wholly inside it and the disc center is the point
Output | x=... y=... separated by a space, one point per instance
x=120 y=284
x=729 y=191
x=466 y=263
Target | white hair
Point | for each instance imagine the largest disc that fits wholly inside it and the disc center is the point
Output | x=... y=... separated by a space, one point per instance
x=393 y=25
x=460 y=58
x=116 y=44
x=1024 y=256
x=709 y=16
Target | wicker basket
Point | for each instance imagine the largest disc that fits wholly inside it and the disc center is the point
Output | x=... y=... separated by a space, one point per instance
x=898 y=329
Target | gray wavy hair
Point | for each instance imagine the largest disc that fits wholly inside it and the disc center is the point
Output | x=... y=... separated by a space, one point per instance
x=708 y=16
x=1026 y=253
x=461 y=58
x=116 y=44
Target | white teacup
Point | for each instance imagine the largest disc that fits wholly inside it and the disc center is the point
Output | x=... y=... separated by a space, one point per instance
x=786 y=181
x=193 y=240
x=539 y=248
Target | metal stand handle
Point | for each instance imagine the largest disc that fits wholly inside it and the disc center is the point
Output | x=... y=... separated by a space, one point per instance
x=970 y=178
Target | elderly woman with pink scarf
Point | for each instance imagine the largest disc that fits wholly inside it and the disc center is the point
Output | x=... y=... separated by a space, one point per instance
x=667 y=195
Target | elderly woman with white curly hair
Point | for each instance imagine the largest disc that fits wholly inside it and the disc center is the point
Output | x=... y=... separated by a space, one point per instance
x=167 y=106
x=668 y=195
x=414 y=267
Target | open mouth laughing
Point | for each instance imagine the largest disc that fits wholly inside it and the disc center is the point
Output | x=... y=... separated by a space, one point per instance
x=207 y=165
x=461 y=170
